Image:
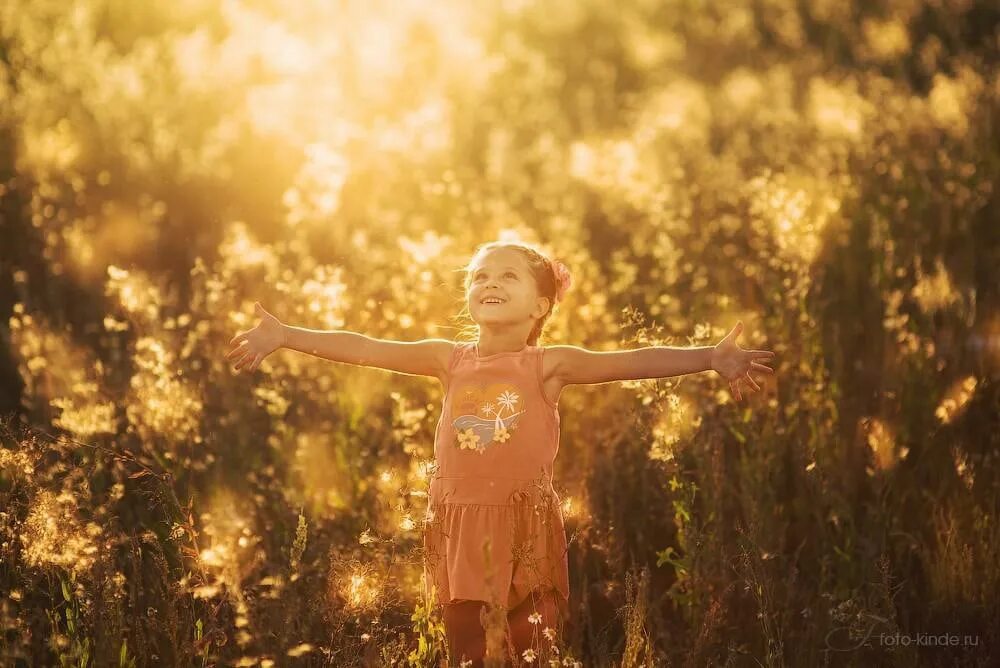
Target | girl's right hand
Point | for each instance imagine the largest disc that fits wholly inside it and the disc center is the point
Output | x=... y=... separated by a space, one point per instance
x=252 y=346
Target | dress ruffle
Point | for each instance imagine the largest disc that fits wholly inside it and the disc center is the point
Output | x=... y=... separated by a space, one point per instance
x=495 y=552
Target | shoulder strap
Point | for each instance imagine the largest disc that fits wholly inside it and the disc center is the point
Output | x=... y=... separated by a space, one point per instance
x=458 y=351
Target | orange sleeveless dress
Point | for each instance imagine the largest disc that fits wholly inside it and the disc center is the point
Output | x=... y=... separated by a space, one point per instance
x=494 y=526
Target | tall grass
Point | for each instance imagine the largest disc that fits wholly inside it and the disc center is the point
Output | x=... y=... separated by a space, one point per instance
x=824 y=171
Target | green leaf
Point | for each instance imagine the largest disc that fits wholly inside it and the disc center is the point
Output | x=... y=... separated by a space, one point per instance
x=669 y=556
x=663 y=556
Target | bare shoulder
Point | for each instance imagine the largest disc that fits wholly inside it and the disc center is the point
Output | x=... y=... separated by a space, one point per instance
x=440 y=351
x=556 y=359
x=553 y=362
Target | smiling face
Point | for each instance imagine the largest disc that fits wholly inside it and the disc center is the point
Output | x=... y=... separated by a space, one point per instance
x=503 y=274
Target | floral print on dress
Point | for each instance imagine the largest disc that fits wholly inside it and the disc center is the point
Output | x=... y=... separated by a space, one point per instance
x=487 y=416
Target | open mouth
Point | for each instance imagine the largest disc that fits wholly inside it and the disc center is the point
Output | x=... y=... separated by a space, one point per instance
x=492 y=300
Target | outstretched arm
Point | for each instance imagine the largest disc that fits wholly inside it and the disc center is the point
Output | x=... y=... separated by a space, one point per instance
x=580 y=366
x=428 y=357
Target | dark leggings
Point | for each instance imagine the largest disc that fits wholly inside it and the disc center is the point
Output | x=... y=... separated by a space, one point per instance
x=464 y=623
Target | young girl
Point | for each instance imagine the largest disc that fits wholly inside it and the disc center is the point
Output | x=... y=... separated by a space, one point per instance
x=494 y=538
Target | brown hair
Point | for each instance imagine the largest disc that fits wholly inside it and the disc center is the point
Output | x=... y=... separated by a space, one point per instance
x=551 y=277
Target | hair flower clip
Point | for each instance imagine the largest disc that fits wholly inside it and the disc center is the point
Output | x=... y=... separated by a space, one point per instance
x=563 y=279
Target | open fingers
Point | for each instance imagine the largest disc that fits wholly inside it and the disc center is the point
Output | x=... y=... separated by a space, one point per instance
x=752 y=382
x=760 y=367
x=243 y=360
x=762 y=354
x=734 y=387
x=258 y=358
x=239 y=338
x=236 y=351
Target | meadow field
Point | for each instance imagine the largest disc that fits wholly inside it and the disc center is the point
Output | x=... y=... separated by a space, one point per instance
x=825 y=171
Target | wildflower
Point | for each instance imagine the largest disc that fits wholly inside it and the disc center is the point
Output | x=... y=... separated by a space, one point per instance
x=549 y=633
x=535 y=618
x=528 y=655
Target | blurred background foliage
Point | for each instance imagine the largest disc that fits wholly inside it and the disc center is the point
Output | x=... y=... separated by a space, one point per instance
x=824 y=170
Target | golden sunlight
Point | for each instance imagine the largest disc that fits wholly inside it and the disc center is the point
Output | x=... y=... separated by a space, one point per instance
x=936 y=290
x=135 y=292
x=53 y=535
x=882 y=441
x=955 y=399
x=320 y=479
x=230 y=539
x=797 y=209
x=822 y=171
x=676 y=422
x=886 y=39
x=61 y=374
x=162 y=403
x=838 y=109
x=360 y=590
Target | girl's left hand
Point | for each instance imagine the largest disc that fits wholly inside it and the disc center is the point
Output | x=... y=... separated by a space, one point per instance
x=734 y=363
